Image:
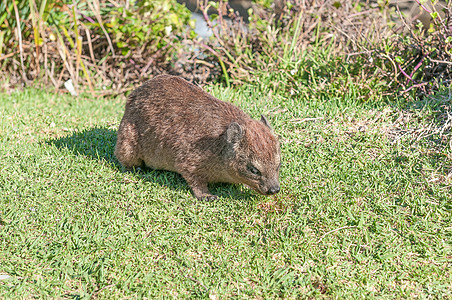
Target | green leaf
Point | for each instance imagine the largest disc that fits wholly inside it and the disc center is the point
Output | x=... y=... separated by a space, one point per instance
x=399 y=59
x=125 y=51
x=419 y=25
x=214 y=4
x=121 y=44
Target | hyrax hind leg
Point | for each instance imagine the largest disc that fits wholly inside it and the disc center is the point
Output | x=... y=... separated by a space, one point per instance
x=126 y=149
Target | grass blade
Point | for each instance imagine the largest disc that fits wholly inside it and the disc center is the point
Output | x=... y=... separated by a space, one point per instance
x=95 y=9
x=21 y=47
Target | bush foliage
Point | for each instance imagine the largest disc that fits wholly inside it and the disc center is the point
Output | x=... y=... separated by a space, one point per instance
x=420 y=56
x=95 y=43
x=326 y=46
x=329 y=46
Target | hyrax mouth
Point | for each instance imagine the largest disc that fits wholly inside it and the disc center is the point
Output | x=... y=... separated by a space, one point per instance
x=273 y=190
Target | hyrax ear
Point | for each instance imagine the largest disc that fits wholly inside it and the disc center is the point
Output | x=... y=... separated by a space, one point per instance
x=234 y=133
x=266 y=122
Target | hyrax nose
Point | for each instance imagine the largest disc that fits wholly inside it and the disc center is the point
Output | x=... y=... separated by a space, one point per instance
x=273 y=190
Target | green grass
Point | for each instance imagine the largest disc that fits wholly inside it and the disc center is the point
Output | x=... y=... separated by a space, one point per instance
x=358 y=216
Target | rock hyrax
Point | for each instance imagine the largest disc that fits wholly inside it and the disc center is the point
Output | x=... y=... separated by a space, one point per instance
x=173 y=125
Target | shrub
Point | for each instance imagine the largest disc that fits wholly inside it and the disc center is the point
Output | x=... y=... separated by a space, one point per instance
x=94 y=43
x=297 y=43
x=419 y=58
x=323 y=48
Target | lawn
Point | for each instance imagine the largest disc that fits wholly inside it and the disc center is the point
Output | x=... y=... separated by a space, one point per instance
x=365 y=209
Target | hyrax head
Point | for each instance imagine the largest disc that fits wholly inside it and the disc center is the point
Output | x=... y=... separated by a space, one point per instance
x=254 y=156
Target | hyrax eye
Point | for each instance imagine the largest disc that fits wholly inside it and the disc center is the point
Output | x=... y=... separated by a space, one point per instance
x=253 y=170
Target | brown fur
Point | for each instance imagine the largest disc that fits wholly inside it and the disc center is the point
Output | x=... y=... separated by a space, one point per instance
x=173 y=125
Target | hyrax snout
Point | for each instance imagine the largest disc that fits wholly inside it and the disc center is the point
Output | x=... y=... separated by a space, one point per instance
x=173 y=125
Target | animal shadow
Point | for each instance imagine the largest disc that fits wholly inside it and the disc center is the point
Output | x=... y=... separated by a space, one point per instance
x=98 y=144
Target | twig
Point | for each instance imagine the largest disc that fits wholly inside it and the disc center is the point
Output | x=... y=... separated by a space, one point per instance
x=362 y=52
x=90 y=42
x=148 y=65
x=51 y=78
x=418 y=65
x=114 y=92
x=209 y=23
x=96 y=12
x=5 y=56
x=393 y=65
x=296 y=121
x=405 y=74
x=414 y=86
x=337 y=229
x=100 y=290
x=425 y=8
x=441 y=61
x=196 y=281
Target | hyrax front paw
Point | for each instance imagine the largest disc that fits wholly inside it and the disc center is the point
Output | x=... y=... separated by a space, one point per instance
x=204 y=195
x=132 y=170
x=199 y=188
x=208 y=198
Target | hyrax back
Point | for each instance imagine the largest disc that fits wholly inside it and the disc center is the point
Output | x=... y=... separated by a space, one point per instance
x=173 y=125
